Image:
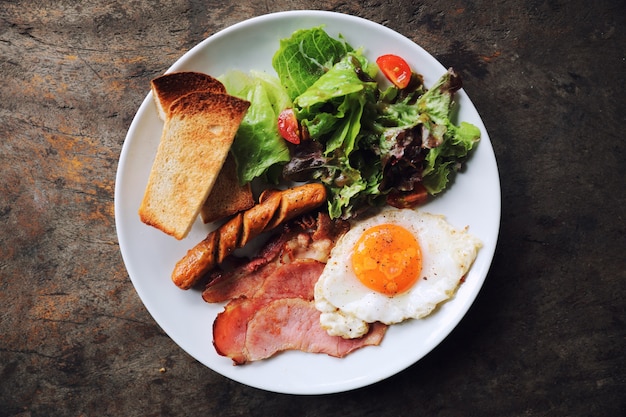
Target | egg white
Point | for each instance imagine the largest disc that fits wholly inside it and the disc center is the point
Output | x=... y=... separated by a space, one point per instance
x=347 y=306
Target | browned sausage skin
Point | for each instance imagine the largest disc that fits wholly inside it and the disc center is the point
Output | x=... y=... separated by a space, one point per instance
x=274 y=208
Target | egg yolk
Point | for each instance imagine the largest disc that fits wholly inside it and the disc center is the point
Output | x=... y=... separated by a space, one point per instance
x=387 y=258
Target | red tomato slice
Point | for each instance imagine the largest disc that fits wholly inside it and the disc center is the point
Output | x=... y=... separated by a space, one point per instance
x=395 y=69
x=408 y=199
x=288 y=126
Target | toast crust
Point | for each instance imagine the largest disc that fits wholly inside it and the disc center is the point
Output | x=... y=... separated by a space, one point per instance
x=168 y=88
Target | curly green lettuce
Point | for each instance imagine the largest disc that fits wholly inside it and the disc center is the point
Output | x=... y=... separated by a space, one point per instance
x=363 y=143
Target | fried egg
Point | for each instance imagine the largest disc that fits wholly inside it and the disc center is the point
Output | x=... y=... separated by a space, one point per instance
x=396 y=265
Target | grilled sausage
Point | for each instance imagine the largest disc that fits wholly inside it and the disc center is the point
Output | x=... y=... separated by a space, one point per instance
x=274 y=208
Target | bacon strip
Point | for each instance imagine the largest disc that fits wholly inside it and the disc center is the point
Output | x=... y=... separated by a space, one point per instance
x=282 y=316
x=229 y=329
x=294 y=324
x=293 y=280
x=241 y=282
x=271 y=307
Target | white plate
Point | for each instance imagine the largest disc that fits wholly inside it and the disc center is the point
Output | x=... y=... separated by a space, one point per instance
x=150 y=255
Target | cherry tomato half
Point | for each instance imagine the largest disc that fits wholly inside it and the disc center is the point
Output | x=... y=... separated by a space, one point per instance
x=408 y=199
x=288 y=126
x=395 y=69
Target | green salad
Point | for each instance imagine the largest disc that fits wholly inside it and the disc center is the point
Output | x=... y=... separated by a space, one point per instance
x=323 y=117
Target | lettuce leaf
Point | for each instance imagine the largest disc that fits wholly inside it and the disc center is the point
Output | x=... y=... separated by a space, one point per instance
x=340 y=80
x=453 y=142
x=437 y=102
x=331 y=110
x=442 y=161
x=335 y=102
x=305 y=57
x=258 y=146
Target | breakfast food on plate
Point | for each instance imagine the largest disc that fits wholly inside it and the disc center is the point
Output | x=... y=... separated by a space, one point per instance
x=371 y=150
x=274 y=208
x=257 y=328
x=307 y=237
x=270 y=298
x=198 y=132
x=396 y=265
x=227 y=196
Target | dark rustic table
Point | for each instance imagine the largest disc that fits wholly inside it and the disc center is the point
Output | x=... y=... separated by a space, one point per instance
x=546 y=335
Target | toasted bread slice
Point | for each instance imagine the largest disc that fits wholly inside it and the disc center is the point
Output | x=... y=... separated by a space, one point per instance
x=198 y=132
x=228 y=196
x=170 y=87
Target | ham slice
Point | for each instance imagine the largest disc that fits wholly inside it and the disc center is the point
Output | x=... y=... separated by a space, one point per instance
x=292 y=280
x=242 y=282
x=271 y=307
x=230 y=327
x=282 y=316
x=294 y=324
